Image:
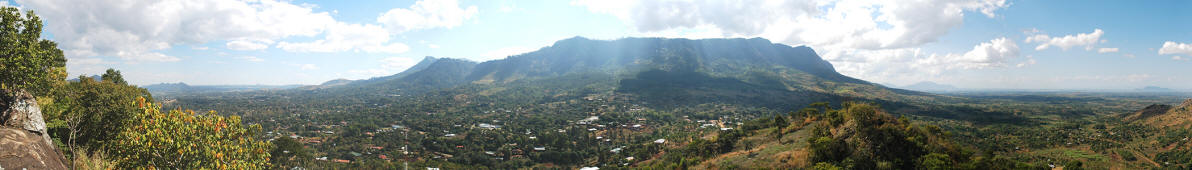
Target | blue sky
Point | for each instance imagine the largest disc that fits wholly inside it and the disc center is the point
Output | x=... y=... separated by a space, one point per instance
x=966 y=43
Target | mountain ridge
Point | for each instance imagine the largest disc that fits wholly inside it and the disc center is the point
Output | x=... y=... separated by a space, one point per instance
x=1161 y=115
x=743 y=71
x=718 y=57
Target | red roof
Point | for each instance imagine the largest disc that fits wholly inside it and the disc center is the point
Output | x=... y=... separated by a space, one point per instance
x=342 y=161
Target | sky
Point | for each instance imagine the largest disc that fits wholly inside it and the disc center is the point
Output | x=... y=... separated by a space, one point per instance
x=979 y=44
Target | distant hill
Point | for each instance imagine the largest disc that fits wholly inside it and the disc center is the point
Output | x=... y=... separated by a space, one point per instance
x=930 y=87
x=328 y=84
x=336 y=82
x=181 y=88
x=94 y=77
x=1160 y=115
x=1154 y=89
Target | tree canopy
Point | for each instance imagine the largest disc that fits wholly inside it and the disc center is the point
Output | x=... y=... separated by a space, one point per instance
x=113 y=75
x=27 y=61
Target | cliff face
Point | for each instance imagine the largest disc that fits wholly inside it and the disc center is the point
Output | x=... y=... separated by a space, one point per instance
x=24 y=142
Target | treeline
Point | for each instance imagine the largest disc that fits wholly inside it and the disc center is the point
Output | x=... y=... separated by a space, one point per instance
x=109 y=124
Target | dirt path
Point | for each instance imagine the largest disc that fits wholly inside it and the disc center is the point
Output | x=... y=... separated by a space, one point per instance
x=1145 y=158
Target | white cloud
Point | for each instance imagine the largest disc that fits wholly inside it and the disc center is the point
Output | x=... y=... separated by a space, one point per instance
x=1027 y=63
x=506 y=52
x=871 y=40
x=882 y=25
x=246 y=45
x=1179 y=58
x=395 y=64
x=135 y=31
x=911 y=65
x=251 y=58
x=1170 y=47
x=432 y=45
x=991 y=54
x=88 y=65
x=1129 y=55
x=1087 y=40
x=349 y=37
x=307 y=67
x=427 y=14
x=390 y=48
x=389 y=66
x=1107 y=50
x=508 y=7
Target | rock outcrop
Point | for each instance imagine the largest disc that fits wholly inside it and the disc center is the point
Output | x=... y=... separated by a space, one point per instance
x=24 y=141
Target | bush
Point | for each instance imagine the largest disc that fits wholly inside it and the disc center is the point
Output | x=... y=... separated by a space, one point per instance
x=184 y=140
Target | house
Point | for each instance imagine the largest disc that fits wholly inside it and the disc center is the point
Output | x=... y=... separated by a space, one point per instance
x=489 y=126
x=588 y=120
x=660 y=141
x=383 y=157
x=450 y=135
x=377 y=147
x=342 y=161
x=540 y=148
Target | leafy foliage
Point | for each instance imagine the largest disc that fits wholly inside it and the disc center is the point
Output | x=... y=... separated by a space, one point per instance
x=88 y=113
x=184 y=140
x=287 y=152
x=113 y=76
x=27 y=61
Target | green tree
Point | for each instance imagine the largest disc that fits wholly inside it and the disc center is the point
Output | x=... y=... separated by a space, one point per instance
x=184 y=140
x=27 y=61
x=288 y=152
x=113 y=76
x=825 y=166
x=780 y=122
x=1073 y=165
x=935 y=161
x=88 y=113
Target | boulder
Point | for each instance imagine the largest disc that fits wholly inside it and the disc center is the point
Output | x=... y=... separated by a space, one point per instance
x=24 y=141
x=20 y=110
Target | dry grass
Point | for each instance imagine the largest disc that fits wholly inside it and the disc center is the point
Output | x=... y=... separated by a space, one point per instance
x=94 y=161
